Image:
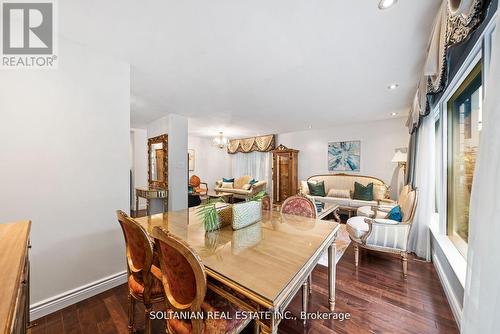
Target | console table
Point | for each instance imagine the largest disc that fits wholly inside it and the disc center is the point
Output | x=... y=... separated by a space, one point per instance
x=14 y=277
x=151 y=194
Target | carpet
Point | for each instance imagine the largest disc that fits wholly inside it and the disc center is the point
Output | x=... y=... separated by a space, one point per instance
x=343 y=242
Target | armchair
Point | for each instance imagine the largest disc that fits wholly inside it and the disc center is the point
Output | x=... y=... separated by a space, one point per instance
x=385 y=235
x=195 y=182
x=382 y=209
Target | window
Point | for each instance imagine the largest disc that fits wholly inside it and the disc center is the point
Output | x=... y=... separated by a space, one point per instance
x=437 y=164
x=464 y=126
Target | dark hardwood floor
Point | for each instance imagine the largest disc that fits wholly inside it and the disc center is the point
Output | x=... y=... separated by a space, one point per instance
x=375 y=295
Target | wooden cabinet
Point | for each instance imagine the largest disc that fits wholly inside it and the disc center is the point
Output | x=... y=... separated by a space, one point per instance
x=285 y=177
x=14 y=290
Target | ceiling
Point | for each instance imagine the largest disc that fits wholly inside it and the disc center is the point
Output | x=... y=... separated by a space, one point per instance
x=260 y=66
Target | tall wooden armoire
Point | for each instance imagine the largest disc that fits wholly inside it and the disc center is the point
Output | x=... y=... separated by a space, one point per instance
x=285 y=178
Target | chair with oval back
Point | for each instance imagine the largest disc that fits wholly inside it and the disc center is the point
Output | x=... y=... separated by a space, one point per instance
x=301 y=206
x=185 y=285
x=144 y=277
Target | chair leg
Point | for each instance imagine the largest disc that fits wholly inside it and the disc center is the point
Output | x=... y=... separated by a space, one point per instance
x=356 y=254
x=404 y=259
x=147 y=320
x=310 y=284
x=131 y=312
x=305 y=298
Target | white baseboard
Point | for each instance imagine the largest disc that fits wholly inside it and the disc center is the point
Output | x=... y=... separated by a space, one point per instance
x=65 y=299
x=456 y=309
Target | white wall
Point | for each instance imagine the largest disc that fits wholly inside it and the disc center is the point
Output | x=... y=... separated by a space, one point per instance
x=379 y=139
x=64 y=164
x=176 y=126
x=211 y=162
x=177 y=162
x=158 y=127
x=139 y=160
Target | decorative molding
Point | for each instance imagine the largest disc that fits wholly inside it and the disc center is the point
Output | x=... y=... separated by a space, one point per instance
x=252 y=144
x=283 y=148
x=65 y=299
x=456 y=309
x=460 y=26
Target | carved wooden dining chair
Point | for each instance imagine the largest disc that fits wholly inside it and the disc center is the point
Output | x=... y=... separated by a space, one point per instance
x=301 y=206
x=185 y=285
x=144 y=277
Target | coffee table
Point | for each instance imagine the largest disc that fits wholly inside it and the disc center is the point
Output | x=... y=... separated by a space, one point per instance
x=227 y=197
x=330 y=208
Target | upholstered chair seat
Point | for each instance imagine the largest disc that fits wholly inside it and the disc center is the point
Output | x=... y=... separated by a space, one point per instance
x=136 y=286
x=216 y=305
x=356 y=227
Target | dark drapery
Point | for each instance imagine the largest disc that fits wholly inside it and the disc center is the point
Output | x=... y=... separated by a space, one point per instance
x=411 y=160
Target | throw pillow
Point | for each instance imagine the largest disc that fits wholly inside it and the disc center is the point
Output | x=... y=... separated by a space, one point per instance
x=395 y=214
x=317 y=189
x=363 y=193
x=379 y=192
x=304 y=188
x=319 y=206
x=339 y=193
x=228 y=180
x=227 y=185
x=252 y=182
x=247 y=186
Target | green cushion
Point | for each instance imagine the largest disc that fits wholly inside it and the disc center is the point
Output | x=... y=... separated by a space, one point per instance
x=317 y=188
x=363 y=193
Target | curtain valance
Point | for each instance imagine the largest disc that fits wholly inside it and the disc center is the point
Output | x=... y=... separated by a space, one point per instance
x=454 y=22
x=253 y=144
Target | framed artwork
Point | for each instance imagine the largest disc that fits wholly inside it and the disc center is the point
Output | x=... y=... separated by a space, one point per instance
x=344 y=156
x=191 y=160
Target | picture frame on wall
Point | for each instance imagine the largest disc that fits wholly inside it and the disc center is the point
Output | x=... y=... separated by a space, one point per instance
x=344 y=156
x=191 y=158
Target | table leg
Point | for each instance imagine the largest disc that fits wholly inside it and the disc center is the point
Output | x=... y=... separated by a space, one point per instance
x=136 y=206
x=336 y=215
x=331 y=275
x=305 y=297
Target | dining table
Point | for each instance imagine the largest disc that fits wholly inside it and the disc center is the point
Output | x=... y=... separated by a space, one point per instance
x=260 y=267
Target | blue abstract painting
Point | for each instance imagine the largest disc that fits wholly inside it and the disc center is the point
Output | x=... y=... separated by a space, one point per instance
x=344 y=156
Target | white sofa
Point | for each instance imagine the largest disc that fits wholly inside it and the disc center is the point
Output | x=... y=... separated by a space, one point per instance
x=346 y=182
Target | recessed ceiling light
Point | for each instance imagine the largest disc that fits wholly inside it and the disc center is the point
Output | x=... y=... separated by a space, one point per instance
x=393 y=86
x=384 y=4
x=394 y=113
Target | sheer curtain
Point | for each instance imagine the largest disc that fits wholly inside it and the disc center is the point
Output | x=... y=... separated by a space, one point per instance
x=482 y=288
x=424 y=180
x=254 y=164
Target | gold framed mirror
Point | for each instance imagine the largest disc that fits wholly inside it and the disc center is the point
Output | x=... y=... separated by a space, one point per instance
x=158 y=161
